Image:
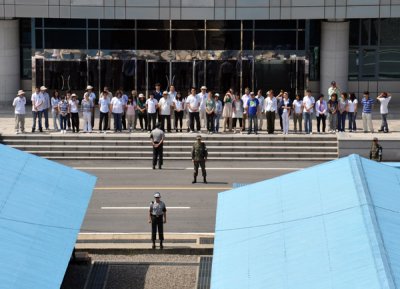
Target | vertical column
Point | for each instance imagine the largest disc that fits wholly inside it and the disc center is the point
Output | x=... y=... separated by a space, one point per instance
x=9 y=60
x=334 y=54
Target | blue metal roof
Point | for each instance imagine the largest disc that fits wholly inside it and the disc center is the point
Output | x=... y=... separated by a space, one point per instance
x=42 y=206
x=335 y=225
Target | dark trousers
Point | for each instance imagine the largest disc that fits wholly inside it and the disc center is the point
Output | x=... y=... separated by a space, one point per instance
x=342 y=121
x=123 y=120
x=46 y=118
x=143 y=118
x=178 y=117
x=63 y=122
x=117 y=121
x=157 y=223
x=196 y=165
x=151 y=119
x=75 y=121
x=210 y=122
x=92 y=118
x=103 y=117
x=352 y=121
x=280 y=119
x=321 y=117
x=234 y=122
x=37 y=115
x=270 y=121
x=69 y=120
x=165 y=119
x=253 y=123
x=384 y=124
x=194 y=116
x=158 y=154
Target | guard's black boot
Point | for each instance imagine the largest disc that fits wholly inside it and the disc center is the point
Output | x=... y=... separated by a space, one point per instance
x=205 y=179
x=154 y=245
x=194 y=179
x=161 y=245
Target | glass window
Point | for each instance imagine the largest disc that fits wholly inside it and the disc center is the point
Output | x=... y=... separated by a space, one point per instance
x=314 y=57
x=247 y=40
x=39 y=38
x=117 y=39
x=154 y=24
x=93 y=39
x=221 y=24
x=26 y=63
x=301 y=35
x=374 y=32
x=153 y=40
x=354 y=32
x=369 y=63
x=39 y=22
x=93 y=23
x=315 y=32
x=223 y=40
x=275 y=24
x=275 y=40
x=188 y=24
x=389 y=63
x=64 y=23
x=365 y=31
x=353 y=64
x=64 y=38
x=117 y=24
x=247 y=24
x=390 y=31
x=188 y=40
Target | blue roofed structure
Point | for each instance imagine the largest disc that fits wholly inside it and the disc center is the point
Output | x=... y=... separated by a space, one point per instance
x=332 y=226
x=42 y=206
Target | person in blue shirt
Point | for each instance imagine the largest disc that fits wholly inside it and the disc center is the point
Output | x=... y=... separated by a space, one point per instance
x=367 y=104
x=253 y=109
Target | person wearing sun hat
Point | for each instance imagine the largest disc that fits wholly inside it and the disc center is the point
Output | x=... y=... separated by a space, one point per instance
x=157 y=219
x=19 y=104
x=92 y=97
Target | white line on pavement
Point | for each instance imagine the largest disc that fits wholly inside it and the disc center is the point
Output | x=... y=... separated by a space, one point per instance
x=142 y=208
x=190 y=168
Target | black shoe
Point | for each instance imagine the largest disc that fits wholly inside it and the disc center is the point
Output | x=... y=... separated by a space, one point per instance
x=159 y=167
x=205 y=180
x=41 y=130
x=161 y=246
x=33 y=130
x=154 y=246
x=181 y=130
x=154 y=167
x=194 y=181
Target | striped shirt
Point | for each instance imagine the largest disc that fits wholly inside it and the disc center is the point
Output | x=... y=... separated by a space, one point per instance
x=367 y=105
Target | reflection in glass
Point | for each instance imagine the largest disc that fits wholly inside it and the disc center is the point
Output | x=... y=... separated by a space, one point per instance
x=390 y=31
x=121 y=39
x=369 y=63
x=65 y=75
x=158 y=72
x=389 y=63
x=271 y=40
x=152 y=40
x=223 y=75
x=354 y=31
x=187 y=40
x=116 y=74
x=223 y=40
x=199 y=73
x=353 y=64
x=65 y=39
x=141 y=76
x=247 y=74
x=182 y=76
x=223 y=24
x=39 y=72
x=94 y=73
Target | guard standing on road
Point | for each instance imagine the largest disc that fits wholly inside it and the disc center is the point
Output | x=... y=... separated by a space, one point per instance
x=199 y=158
x=157 y=139
x=157 y=218
x=375 y=153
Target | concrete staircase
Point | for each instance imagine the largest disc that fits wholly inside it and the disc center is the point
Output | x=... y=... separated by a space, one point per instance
x=177 y=146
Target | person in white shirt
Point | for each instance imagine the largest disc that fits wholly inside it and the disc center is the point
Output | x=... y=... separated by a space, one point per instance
x=286 y=107
x=333 y=89
x=47 y=105
x=19 y=105
x=321 y=111
x=54 y=109
x=117 y=108
x=92 y=97
x=261 y=115
x=270 y=107
x=384 y=99
x=179 y=106
x=298 y=113
x=193 y=102
x=87 y=106
x=245 y=98
x=203 y=98
x=104 y=107
x=37 y=109
x=308 y=109
x=164 y=106
x=352 y=105
x=171 y=95
x=151 y=107
x=74 y=109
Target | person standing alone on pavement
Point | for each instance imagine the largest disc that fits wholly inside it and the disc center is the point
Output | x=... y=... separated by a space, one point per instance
x=375 y=153
x=157 y=140
x=199 y=158
x=157 y=218
x=19 y=104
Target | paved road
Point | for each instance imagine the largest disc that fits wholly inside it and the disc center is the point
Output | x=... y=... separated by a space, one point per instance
x=132 y=184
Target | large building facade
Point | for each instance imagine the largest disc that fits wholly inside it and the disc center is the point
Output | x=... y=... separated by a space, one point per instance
x=261 y=44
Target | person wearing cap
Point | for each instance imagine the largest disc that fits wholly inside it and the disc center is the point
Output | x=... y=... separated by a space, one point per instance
x=193 y=102
x=203 y=95
x=199 y=158
x=218 y=112
x=142 y=111
x=46 y=106
x=333 y=89
x=87 y=106
x=74 y=110
x=384 y=99
x=157 y=140
x=367 y=103
x=165 y=107
x=92 y=97
x=157 y=218
x=19 y=105
x=104 y=107
x=37 y=99
x=376 y=151
x=252 y=111
x=245 y=100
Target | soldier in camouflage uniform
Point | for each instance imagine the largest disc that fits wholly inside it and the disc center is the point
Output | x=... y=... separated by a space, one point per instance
x=375 y=153
x=199 y=158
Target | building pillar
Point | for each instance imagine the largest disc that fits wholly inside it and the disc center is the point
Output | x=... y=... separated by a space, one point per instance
x=9 y=60
x=334 y=54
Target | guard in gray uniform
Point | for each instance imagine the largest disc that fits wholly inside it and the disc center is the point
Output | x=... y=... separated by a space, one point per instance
x=157 y=139
x=199 y=158
x=157 y=218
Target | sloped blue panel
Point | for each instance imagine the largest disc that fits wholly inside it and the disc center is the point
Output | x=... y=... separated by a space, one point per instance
x=313 y=228
x=42 y=206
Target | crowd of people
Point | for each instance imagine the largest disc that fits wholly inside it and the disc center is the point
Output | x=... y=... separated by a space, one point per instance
x=204 y=109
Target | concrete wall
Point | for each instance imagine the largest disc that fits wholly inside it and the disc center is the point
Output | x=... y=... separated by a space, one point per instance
x=203 y=9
